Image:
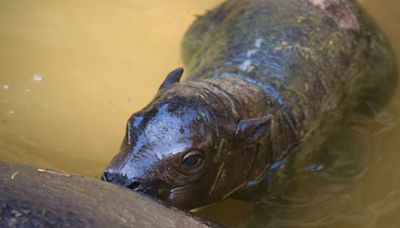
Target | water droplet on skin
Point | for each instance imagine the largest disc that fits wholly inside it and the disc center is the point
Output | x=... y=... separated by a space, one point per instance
x=37 y=77
x=245 y=65
x=258 y=43
x=314 y=168
x=387 y=119
x=276 y=165
x=251 y=183
x=360 y=118
x=251 y=52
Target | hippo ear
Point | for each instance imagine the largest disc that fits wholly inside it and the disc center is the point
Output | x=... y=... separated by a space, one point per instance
x=252 y=130
x=173 y=77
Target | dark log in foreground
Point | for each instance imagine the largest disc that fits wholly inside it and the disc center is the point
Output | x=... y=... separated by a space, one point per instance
x=32 y=197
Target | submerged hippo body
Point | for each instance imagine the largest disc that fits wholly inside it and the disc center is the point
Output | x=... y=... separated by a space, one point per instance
x=263 y=76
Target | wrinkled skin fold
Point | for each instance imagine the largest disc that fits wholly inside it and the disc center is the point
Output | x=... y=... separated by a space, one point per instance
x=263 y=76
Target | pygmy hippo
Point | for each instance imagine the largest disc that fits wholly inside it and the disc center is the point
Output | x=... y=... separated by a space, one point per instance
x=263 y=76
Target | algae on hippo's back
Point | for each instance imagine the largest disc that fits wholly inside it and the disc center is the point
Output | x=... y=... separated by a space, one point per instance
x=264 y=76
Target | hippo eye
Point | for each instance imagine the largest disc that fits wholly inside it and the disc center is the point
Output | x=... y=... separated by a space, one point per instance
x=192 y=159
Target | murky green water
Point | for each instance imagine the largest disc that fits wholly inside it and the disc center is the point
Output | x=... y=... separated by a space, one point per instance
x=71 y=72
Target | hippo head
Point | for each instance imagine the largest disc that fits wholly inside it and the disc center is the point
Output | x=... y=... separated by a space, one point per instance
x=186 y=147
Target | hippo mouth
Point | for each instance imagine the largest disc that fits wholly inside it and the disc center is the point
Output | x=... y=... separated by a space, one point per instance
x=183 y=196
x=155 y=189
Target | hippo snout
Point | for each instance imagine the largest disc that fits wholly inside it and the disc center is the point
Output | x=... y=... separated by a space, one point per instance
x=154 y=188
x=118 y=179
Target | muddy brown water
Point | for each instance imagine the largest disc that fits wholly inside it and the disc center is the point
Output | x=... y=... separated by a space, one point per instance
x=71 y=72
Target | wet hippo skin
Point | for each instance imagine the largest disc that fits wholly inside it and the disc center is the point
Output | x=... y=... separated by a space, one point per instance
x=32 y=197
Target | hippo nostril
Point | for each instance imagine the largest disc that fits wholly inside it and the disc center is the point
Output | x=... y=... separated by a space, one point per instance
x=135 y=185
x=119 y=179
x=106 y=177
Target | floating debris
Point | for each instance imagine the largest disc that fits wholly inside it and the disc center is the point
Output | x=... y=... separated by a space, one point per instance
x=6 y=87
x=53 y=172
x=27 y=90
x=37 y=77
x=14 y=175
x=11 y=112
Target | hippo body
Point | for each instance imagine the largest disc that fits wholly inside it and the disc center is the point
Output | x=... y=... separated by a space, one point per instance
x=34 y=197
x=263 y=77
x=306 y=59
